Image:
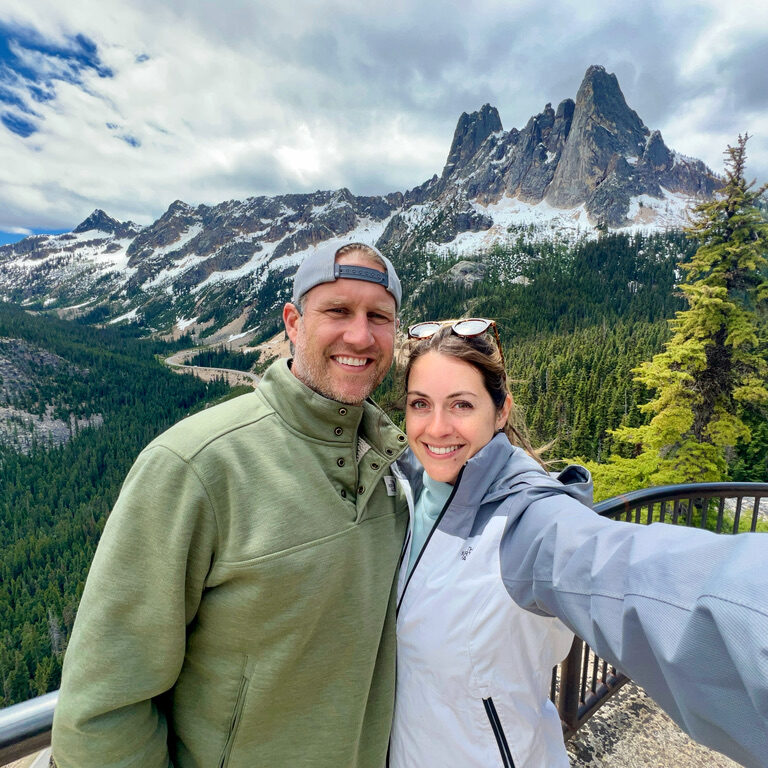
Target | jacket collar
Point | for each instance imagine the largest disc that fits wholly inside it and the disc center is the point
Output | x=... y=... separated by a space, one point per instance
x=492 y=469
x=499 y=469
x=328 y=421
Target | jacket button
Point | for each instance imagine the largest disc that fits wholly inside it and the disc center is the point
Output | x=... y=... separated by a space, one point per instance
x=361 y=490
x=340 y=462
x=401 y=438
x=342 y=411
x=338 y=431
x=388 y=451
x=374 y=466
x=343 y=494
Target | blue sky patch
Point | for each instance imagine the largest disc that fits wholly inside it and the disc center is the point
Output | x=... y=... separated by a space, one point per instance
x=14 y=237
x=17 y=124
x=126 y=137
x=31 y=65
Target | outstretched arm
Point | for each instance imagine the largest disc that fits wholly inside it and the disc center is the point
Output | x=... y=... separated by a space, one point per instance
x=682 y=611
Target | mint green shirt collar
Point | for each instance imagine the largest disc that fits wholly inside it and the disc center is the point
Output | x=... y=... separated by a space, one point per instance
x=428 y=506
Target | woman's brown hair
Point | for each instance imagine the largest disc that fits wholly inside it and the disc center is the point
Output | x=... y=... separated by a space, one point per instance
x=484 y=355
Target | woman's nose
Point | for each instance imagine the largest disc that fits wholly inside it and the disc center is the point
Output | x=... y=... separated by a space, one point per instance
x=440 y=424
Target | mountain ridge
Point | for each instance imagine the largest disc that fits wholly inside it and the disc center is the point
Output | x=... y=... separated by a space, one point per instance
x=587 y=166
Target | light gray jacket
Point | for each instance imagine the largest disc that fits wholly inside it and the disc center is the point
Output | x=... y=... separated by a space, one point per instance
x=684 y=612
x=473 y=668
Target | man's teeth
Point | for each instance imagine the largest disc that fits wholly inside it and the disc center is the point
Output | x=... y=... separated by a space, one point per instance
x=359 y=361
x=442 y=449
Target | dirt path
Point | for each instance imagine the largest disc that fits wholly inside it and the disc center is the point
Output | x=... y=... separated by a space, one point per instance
x=233 y=377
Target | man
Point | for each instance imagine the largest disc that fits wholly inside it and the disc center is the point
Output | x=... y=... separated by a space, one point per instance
x=238 y=609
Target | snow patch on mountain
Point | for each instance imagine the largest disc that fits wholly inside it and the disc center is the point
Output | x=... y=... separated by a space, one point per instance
x=651 y=213
x=128 y=317
x=167 y=275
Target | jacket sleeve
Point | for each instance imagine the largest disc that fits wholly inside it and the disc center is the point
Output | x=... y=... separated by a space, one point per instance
x=682 y=611
x=129 y=637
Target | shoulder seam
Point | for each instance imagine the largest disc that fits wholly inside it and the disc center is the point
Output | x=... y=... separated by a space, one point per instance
x=188 y=463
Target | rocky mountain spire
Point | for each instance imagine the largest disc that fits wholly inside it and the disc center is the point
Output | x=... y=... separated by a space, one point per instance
x=471 y=131
x=101 y=221
x=603 y=126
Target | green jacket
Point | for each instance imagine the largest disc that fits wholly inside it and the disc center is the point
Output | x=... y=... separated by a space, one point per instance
x=238 y=611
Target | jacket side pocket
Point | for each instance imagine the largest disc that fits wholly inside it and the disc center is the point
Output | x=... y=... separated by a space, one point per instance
x=498 y=732
x=236 y=715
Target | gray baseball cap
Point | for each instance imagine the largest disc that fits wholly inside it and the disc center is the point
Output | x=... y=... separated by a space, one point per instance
x=321 y=267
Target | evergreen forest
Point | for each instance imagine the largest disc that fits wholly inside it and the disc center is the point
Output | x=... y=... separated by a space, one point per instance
x=55 y=498
x=575 y=319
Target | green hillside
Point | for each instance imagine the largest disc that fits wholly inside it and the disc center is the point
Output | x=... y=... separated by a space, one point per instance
x=55 y=497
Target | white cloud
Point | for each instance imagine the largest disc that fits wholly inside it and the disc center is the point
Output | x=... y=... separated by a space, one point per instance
x=209 y=102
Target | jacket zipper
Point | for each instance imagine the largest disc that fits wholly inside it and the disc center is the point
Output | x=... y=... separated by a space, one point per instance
x=234 y=722
x=498 y=732
x=429 y=536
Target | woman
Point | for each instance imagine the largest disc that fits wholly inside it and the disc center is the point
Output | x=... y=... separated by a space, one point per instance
x=490 y=527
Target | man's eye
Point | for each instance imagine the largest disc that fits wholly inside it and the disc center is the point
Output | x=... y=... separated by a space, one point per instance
x=379 y=319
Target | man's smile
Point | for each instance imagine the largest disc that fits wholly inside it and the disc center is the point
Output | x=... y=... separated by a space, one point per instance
x=357 y=362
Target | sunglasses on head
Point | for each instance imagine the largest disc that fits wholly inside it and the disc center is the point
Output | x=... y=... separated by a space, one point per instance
x=467 y=328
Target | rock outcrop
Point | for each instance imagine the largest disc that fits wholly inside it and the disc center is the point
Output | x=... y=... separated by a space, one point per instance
x=594 y=152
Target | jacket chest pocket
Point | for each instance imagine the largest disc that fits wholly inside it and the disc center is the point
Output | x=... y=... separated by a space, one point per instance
x=498 y=732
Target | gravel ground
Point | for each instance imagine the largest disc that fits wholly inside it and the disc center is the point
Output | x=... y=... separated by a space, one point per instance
x=630 y=731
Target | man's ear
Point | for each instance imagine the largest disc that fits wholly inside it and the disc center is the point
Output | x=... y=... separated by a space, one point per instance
x=291 y=320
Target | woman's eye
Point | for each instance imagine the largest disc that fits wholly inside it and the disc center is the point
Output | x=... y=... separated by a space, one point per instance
x=417 y=404
x=462 y=405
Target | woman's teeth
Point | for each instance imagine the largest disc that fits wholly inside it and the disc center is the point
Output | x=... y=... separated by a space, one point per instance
x=440 y=450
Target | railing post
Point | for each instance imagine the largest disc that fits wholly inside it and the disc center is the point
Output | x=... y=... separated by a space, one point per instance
x=570 y=684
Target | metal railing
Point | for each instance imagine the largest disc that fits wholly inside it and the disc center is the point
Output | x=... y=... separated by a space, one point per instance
x=584 y=681
x=26 y=728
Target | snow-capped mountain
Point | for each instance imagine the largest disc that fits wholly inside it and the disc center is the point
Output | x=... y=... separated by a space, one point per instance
x=589 y=165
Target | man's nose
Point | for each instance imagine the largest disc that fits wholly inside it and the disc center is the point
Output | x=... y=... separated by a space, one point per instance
x=358 y=331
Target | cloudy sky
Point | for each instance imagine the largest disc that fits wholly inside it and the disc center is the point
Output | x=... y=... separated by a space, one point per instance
x=128 y=106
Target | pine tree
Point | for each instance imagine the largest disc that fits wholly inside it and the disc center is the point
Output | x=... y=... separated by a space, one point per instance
x=712 y=371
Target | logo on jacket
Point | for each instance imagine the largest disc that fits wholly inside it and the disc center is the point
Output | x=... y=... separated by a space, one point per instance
x=465 y=553
x=389 y=481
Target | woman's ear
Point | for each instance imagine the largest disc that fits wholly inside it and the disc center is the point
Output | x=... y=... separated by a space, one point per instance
x=503 y=415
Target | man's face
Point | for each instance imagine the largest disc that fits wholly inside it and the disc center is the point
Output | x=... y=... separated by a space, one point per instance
x=344 y=341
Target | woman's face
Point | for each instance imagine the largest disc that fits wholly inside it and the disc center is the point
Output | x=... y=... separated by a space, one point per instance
x=449 y=415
